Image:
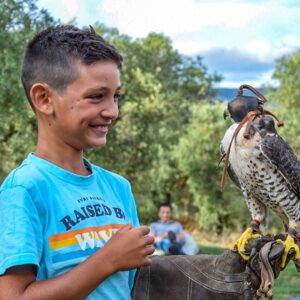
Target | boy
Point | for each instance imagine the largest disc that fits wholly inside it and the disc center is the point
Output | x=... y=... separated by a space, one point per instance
x=69 y=229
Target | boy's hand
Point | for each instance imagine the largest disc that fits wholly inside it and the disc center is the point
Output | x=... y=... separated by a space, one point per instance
x=129 y=247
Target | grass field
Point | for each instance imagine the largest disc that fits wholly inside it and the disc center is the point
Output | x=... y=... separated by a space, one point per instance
x=287 y=285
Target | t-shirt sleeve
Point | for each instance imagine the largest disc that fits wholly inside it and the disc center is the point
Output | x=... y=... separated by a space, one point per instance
x=21 y=239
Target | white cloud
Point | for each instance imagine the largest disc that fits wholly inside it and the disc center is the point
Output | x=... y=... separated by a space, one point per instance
x=260 y=48
x=263 y=78
x=287 y=44
x=172 y=17
x=267 y=51
x=193 y=47
x=71 y=8
x=258 y=30
x=65 y=10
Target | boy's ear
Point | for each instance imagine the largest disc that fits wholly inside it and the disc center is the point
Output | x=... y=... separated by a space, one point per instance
x=41 y=97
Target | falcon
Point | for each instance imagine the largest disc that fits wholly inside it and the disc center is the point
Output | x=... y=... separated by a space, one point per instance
x=264 y=167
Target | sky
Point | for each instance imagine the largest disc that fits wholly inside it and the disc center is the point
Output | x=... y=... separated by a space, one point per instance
x=239 y=39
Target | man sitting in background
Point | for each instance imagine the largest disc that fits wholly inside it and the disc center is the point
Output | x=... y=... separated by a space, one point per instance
x=168 y=234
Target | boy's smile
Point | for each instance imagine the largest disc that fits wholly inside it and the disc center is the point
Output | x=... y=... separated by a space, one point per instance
x=84 y=112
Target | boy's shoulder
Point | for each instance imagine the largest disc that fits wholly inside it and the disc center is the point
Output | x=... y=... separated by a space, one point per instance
x=109 y=175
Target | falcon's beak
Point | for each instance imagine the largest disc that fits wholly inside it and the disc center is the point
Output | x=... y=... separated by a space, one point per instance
x=225 y=114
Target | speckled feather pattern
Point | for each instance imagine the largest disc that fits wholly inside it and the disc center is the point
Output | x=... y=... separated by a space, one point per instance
x=268 y=172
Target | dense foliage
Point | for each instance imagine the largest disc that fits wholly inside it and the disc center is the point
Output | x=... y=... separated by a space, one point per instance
x=286 y=98
x=19 y=20
x=166 y=141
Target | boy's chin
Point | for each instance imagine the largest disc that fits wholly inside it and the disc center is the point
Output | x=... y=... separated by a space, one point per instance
x=96 y=144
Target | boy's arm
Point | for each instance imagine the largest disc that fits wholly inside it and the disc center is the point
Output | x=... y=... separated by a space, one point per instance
x=127 y=249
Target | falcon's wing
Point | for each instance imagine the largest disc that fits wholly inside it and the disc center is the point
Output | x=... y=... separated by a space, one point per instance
x=283 y=157
x=230 y=171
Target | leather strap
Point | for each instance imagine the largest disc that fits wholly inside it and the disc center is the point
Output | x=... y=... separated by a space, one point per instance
x=267 y=274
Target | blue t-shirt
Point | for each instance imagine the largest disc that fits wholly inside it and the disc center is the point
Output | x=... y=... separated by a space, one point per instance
x=160 y=229
x=56 y=219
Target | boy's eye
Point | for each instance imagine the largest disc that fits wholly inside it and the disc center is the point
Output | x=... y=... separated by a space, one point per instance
x=96 y=97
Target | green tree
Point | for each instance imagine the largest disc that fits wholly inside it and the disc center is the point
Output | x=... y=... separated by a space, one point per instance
x=197 y=156
x=287 y=73
x=286 y=98
x=19 y=20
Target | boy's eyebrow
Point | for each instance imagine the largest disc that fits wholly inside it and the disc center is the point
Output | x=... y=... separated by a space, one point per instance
x=100 y=88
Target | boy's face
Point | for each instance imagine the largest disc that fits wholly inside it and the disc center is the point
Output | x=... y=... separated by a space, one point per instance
x=84 y=112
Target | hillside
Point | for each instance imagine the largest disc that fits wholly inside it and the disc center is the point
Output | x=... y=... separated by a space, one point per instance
x=227 y=94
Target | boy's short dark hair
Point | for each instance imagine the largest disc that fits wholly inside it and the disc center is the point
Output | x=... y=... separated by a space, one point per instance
x=52 y=56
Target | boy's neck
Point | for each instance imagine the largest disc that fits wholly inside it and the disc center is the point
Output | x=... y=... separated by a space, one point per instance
x=71 y=161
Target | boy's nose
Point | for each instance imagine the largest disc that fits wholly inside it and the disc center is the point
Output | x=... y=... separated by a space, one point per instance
x=111 y=111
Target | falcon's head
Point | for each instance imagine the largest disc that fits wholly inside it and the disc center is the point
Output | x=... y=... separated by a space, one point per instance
x=239 y=107
x=249 y=109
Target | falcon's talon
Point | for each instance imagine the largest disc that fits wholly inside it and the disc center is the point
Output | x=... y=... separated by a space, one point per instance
x=240 y=244
x=289 y=245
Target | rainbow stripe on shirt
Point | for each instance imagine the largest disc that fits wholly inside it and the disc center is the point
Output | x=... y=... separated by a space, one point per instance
x=80 y=243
